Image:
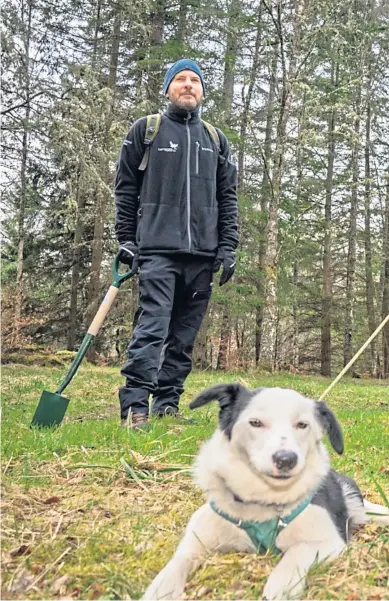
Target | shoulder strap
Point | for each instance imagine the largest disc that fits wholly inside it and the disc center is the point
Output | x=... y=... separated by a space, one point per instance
x=213 y=133
x=152 y=127
x=215 y=138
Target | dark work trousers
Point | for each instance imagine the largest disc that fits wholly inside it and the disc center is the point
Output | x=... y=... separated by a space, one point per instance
x=174 y=295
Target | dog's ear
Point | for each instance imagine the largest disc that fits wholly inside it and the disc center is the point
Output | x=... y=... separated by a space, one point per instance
x=331 y=425
x=226 y=394
x=232 y=399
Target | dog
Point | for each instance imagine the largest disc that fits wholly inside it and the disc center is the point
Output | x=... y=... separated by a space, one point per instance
x=266 y=473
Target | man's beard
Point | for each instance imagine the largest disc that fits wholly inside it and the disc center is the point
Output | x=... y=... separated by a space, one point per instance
x=186 y=104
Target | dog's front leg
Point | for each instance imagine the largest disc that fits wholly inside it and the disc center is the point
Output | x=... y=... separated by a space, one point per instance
x=288 y=579
x=203 y=534
x=170 y=582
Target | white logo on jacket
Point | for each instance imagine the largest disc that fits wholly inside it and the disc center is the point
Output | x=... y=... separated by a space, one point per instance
x=173 y=148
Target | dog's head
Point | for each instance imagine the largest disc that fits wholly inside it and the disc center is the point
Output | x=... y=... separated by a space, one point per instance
x=276 y=428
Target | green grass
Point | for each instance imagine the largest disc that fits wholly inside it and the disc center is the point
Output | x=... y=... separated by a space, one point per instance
x=91 y=510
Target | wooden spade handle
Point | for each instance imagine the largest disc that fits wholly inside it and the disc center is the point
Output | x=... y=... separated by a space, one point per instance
x=103 y=310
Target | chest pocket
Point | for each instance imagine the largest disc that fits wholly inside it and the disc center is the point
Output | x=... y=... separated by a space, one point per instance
x=206 y=159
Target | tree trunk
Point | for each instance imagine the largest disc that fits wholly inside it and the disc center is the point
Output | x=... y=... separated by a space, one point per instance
x=326 y=304
x=96 y=35
x=230 y=60
x=228 y=88
x=265 y=194
x=222 y=358
x=269 y=324
x=102 y=200
x=352 y=237
x=296 y=347
x=368 y=249
x=154 y=83
x=23 y=181
x=298 y=232
x=76 y=266
x=385 y=292
x=181 y=28
x=114 y=59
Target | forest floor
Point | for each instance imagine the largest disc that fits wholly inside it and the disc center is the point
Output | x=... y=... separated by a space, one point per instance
x=93 y=511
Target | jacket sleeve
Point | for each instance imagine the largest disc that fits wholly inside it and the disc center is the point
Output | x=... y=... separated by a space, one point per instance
x=227 y=197
x=128 y=183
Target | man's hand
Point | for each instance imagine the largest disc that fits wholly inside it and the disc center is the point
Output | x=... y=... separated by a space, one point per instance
x=129 y=255
x=227 y=258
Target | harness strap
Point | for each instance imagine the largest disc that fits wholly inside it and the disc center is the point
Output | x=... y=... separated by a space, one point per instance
x=263 y=534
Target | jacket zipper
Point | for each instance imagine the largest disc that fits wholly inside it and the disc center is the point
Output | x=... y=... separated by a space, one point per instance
x=188 y=179
x=139 y=214
x=197 y=156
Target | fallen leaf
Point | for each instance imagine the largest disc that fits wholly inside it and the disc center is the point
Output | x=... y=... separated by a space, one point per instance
x=59 y=584
x=384 y=469
x=22 y=581
x=36 y=568
x=22 y=550
x=51 y=500
x=204 y=590
x=95 y=591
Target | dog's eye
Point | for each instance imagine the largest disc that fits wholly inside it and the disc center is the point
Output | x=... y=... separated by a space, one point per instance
x=256 y=423
x=301 y=425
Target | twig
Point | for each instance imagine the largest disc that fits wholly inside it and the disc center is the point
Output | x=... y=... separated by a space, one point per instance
x=7 y=466
x=48 y=568
x=57 y=528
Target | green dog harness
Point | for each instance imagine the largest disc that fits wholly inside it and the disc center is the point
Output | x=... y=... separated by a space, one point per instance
x=263 y=534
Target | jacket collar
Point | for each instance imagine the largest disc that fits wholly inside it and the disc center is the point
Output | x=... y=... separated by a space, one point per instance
x=181 y=115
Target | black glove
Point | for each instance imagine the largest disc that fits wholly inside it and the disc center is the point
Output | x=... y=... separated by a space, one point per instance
x=227 y=258
x=129 y=255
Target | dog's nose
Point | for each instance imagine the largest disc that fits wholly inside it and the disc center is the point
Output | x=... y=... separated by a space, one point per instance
x=285 y=460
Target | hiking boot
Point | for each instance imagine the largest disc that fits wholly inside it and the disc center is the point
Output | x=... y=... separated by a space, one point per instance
x=135 y=421
x=171 y=412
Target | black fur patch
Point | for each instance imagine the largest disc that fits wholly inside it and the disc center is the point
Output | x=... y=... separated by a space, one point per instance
x=330 y=496
x=330 y=425
x=232 y=398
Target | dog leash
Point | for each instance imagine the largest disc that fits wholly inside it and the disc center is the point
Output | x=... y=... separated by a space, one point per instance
x=352 y=361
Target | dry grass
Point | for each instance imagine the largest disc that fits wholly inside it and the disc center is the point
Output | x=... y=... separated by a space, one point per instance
x=91 y=511
x=90 y=541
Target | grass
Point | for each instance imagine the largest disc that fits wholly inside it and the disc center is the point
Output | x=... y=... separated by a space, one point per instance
x=92 y=511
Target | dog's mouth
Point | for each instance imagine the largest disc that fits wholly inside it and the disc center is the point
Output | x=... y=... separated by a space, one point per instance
x=280 y=476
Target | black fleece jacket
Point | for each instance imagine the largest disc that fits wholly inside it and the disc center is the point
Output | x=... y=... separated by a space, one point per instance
x=185 y=201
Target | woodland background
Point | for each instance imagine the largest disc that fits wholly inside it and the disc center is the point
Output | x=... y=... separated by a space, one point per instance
x=300 y=88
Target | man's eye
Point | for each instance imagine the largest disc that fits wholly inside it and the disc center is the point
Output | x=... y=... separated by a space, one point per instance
x=301 y=425
x=256 y=423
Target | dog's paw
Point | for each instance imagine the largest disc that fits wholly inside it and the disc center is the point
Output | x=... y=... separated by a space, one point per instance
x=276 y=589
x=168 y=584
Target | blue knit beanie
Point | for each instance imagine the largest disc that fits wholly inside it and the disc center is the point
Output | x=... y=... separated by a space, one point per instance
x=181 y=65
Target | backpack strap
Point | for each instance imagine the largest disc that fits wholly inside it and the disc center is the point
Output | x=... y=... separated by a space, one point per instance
x=214 y=137
x=152 y=127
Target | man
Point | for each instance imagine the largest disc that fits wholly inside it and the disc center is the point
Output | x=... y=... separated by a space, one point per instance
x=177 y=220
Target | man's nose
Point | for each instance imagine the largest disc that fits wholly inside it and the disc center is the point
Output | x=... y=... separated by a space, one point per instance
x=285 y=460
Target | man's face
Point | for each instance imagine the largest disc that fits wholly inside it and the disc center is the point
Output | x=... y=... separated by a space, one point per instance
x=186 y=90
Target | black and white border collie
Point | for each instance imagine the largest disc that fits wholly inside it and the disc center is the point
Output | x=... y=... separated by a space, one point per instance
x=267 y=464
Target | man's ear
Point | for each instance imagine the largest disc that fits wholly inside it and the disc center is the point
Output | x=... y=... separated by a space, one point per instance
x=331 y=426
x=232 y=399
